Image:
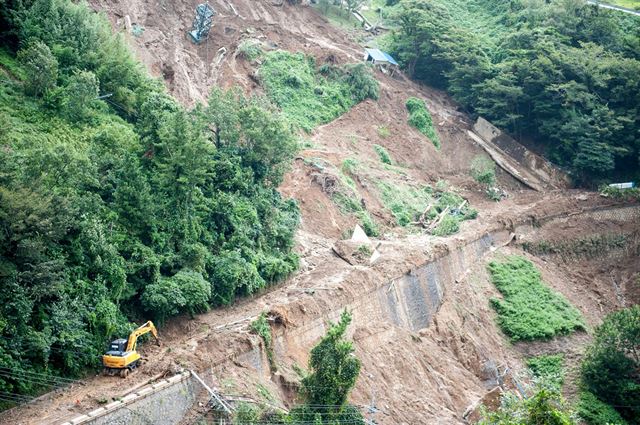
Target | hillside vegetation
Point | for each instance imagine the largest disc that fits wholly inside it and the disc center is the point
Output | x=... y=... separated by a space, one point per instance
x=562 y=72
x=529 y=310
x=116 y=203
x=309 y=96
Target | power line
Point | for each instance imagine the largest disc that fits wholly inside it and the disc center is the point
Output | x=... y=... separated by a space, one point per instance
x=15 y=396
x=52 y=348
x=128 y=112
x=35 y=379
x=38 y=382
x=9 y=400
x=36 y=374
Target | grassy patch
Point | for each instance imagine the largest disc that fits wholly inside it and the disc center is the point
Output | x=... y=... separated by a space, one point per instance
x=348 y=200
x=588 y=247
x=346 y=203
x=383 y=154
x=368 y=224
x=350 y=166
x=448 y=226
x=420 y=118
x=349 y=204
x=384 y=132
x=396 y=169
x=10 y=64
x=250 y=50
x=632 y=194
x=338 y=16
x=407 y=203
x=309 y=96
x=483 y=170
x=530 y=310
x=595 y=412
x=550 y=368
x=629 y=4
x=404 y=202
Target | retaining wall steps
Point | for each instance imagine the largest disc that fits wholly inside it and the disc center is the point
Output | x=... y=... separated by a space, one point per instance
x=129 y=399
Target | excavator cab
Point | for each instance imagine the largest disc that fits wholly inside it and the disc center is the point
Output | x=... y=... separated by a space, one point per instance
x=122 y=356
x=117 y=347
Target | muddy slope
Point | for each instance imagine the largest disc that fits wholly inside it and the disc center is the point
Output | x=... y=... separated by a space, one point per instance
x=424 y=370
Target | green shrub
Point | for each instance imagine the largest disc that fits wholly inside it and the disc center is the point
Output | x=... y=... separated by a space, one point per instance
x=364 y=250
x=420 y=118
x=610 y=366
x=383 y=154
x=448 y=226
x=186 y=291
x=595 y=412
x=350 y=166
x=81 y=93
x=261 y=327
x=544 y=407
x=483 y=170
x=494 y=193
x=414 y=104
x=383 y=132
x=632 y=194
x=470 y=214
x=361 y=82
x=309 y=97
x=246 y=413
x=368 y=224
x=249 y=50
x=549 y=368
x=530 y=310
x=40 y=67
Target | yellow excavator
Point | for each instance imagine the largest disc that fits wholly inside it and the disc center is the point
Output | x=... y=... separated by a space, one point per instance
x=122 y=356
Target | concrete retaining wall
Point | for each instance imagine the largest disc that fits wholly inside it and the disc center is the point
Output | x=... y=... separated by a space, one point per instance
x=571 y=242
x=163 y=403
x=409 y=301
x=535 y=164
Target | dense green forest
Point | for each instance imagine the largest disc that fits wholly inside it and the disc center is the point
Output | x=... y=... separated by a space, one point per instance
x=561 y=72
x=116 y=203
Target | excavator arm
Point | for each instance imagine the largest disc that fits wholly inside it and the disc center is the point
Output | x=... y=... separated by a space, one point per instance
x=132 y=342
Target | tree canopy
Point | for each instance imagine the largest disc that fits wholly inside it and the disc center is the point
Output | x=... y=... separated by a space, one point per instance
x=333 y=372
x=611 y=367
x=563 y=72
x=118 y=208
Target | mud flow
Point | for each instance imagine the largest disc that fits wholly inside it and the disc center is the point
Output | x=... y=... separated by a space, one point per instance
x=423 y=326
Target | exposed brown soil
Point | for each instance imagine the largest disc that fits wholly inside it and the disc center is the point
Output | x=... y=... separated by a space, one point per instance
x=427 y=376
